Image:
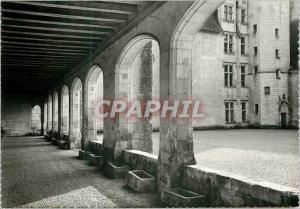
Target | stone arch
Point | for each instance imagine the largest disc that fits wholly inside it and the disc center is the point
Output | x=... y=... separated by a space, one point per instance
x=133 y=79
x=93 y=93
x=176 y=137
x=36 y=125
x=55 y=112
x=49 y=113
x=65 y=110
x=76 y=113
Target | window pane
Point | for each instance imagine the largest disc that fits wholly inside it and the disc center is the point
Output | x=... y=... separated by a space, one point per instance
x=227 y=116
x=242 y=40
x=243 y=69
x=231 y=116
x=244 y=116
x=243 y=105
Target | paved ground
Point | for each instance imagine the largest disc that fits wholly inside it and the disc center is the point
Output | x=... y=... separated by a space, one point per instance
x=37 y=174
x=263 y=155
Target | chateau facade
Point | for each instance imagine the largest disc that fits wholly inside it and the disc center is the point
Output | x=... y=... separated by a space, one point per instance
x=242 y=68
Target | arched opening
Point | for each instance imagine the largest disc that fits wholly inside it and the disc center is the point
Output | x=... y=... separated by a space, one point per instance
x=65 y=110
x=94 y=94
x=49 y=113
x=45 y=118
x=76 y=113
x=55 y=112
x=177 y=135
x=36 y=125
x=137 y=79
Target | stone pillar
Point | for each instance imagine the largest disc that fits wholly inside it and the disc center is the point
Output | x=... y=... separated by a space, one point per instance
x=65 y=112
x=176 y=135
x=86 y=113
x=141 y=129
x=42 y=117
x=72 y=142
x=49 y=117
x=45 y=113
x=76 y=118
x=59 y=121
x=52 y=112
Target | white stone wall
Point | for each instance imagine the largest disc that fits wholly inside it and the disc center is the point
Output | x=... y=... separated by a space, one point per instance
x=208 y=77
x=268 y=15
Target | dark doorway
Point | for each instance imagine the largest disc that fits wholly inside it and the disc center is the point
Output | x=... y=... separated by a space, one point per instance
x=283 y=120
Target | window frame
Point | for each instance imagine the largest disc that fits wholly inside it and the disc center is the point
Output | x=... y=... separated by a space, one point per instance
x=228 y=75
x=277 y=54
x=243 y=17
x=255 y=69
x=228 y=13
x=229 y=112
x=243 y=76
x=255 y=51
x=277 y=32
x=244 y=111
x=228 y=43
x=256 y=109
x=254 y=29
x=267 y=90
x=243 y=45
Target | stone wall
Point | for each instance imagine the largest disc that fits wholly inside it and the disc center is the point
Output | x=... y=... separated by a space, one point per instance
x=223 y=189
x=220 y=188
x=268 y=15
x=294 y=97
x=16 y=114
x=139 y=160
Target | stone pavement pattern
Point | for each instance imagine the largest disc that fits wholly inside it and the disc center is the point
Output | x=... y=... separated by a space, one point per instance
x=259 y=154
x=38 y=174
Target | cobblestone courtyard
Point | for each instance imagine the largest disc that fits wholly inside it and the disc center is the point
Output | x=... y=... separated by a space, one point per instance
x=262 y=155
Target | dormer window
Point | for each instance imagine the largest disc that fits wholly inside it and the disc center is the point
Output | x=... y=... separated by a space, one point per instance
x=228 y=13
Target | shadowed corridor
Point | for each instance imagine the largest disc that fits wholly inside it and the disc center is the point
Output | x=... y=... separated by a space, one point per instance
x=38 y=174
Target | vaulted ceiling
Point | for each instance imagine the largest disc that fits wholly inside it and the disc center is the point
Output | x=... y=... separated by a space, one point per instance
x=44 y=40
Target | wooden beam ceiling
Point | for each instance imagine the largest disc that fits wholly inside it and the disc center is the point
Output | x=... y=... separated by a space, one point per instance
x=44 y=40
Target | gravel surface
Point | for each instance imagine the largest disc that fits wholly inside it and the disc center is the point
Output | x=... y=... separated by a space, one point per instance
x=38 y=174
x=260 y=154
